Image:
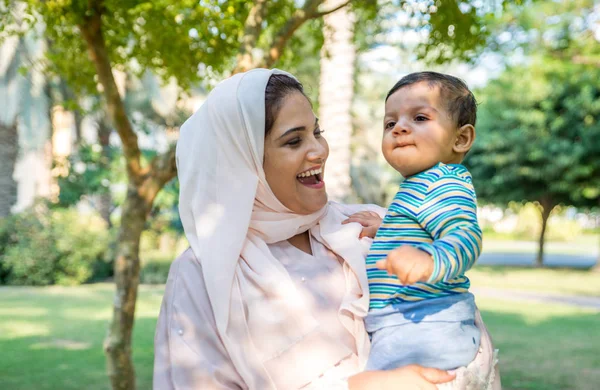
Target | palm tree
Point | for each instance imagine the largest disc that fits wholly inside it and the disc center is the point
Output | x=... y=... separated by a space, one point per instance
x=24 y=120
x=335 y=96
x=10 y=83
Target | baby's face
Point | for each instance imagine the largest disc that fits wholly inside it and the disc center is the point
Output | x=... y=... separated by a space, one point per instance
x=418 y=131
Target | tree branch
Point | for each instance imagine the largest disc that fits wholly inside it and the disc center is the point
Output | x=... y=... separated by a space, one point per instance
x=327 y=12
x=307 y=12
x=252 y=31
x=163 y=168
x=91 y=30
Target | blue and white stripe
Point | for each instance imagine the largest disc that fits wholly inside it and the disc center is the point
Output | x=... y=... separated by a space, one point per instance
x=435 y=211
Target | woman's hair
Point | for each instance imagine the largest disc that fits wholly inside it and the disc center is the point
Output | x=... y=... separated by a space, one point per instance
x=278 y=87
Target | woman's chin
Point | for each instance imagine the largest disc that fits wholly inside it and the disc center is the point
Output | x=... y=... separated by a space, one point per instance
x=312 y=204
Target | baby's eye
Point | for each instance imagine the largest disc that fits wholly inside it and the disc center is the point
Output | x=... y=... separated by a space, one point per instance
x=390 y=125
x=420 y=118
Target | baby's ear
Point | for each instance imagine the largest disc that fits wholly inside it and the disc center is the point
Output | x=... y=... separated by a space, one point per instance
x=465 y=136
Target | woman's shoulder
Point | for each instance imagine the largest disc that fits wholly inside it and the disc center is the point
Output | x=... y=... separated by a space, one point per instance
x=186 y=287
x=186 y=262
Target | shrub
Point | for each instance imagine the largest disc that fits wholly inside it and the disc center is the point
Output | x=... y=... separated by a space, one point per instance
x=57 y=246
x=155 y=272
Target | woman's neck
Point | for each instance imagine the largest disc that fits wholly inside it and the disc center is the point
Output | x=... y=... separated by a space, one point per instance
x=302 y=242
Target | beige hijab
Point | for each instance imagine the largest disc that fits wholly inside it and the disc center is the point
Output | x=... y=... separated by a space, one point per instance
x=230 y=214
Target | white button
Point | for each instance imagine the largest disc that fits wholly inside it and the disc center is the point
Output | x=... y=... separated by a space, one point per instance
x=303 y=279
x=180 y=331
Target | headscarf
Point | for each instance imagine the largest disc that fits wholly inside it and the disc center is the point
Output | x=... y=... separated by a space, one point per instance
x=230 y=215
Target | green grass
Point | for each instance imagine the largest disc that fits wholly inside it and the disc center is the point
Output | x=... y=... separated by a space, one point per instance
x=585 y=244
x=545 y=347
x=547 y=280
x=51 y=338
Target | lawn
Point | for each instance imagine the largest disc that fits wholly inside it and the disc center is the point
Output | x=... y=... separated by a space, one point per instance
x=547 y=280
x=584 y=244
x=51 y=338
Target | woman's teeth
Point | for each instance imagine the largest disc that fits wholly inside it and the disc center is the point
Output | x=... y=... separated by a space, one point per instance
x=311 y=172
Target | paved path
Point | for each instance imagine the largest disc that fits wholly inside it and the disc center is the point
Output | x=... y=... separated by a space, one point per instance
x=528 y=259
x=572 y=300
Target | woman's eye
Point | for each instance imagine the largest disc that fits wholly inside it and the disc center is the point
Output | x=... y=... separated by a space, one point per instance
x=293 y=142
x=420 y=118
x=318 y=132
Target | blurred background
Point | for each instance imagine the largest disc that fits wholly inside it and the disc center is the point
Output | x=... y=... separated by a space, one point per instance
x=92 y=94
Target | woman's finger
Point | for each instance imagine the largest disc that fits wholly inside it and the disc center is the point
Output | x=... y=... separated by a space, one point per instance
x=362 y=221
x=434 y=375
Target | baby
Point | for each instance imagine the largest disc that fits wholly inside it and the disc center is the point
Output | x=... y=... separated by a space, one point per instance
x=421 y=311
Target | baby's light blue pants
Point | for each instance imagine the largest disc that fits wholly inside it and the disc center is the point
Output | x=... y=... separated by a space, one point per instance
x=439 y=333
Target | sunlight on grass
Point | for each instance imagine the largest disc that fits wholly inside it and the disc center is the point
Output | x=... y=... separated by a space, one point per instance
x=585 y=244
x=61 y=344
x=22 y=328
x=23 y=311
x=544 y=346
x=533 y=313
x=55 y=336
x=558 y=281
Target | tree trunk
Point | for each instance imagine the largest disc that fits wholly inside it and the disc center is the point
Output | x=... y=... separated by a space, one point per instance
x=596 y=268
x=105 y=198
x=335 y=97
x=117 y=344
x=547 y=207
x=9 y=147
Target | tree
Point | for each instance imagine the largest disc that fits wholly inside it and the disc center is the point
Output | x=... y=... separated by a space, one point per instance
x=188 y=41
x=336 y=90
x=24 y=117
x=537 y=138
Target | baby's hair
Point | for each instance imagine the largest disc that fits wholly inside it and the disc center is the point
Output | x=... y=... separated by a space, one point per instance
x=461 y=103
x=278 y=87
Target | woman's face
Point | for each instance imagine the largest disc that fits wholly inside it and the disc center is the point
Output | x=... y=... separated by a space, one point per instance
x=295 y=155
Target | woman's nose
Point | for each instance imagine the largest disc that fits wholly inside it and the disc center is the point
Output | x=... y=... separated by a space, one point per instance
x=318 y=151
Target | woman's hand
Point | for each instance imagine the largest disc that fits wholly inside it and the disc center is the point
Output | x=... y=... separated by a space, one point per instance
x=411 y=377
x=369 y=220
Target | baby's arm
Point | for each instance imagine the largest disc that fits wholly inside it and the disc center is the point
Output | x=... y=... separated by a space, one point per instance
x=449 y=214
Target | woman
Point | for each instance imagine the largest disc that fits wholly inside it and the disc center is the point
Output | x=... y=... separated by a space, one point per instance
x=273 y=291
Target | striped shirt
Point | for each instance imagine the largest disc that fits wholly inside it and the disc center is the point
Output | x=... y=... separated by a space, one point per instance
x=435 y=211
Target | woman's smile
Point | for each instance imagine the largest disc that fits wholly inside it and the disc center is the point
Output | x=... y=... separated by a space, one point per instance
x=312 y=178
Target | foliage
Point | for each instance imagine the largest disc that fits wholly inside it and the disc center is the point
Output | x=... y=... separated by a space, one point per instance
x=41 y=247
x=537 y=135
x=559 y=229
x=562 y=29
x=155 y=272
x=89 y=171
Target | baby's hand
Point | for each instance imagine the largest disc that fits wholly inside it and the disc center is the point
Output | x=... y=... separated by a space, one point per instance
x=410 y=264
x=369 y=220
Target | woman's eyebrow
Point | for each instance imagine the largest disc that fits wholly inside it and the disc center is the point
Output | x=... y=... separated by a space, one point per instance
x=299 y=128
